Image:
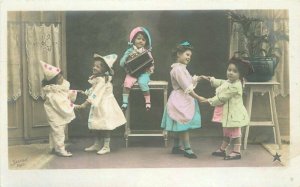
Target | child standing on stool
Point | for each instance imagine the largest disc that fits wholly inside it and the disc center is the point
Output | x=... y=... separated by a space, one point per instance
x=105 y=113
x=139 y=41
x=58 y=106
x=182 y=112
x=229 y=108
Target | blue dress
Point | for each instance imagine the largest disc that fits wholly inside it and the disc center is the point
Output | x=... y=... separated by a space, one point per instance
x=182 y=111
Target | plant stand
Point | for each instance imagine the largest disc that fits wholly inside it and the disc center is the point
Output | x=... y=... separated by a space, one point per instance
x=262 y=87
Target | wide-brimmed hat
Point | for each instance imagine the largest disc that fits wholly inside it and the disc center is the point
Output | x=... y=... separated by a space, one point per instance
x=49 y=71
x=135 y=31
x=108 y=59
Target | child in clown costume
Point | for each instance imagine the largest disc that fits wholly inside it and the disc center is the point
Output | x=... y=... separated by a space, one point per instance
x=58 y=106
x=139 y=41
x=105 y=113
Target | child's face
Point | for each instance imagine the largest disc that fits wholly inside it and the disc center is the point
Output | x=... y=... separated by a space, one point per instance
x=99 y=67
x=140 y=41
x=232 y=73
x=60 y=79
x=185 y=57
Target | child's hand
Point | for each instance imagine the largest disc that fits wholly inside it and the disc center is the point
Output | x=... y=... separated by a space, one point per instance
x=77 y=107
x=201 y=99
x=205 y=101
x=203 y=77
x=82 y=92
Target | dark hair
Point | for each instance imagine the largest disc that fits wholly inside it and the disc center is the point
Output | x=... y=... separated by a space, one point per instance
x=180 y=49
x=104 y=73
x=244 y=66
x=46 y=82
x=145 y=36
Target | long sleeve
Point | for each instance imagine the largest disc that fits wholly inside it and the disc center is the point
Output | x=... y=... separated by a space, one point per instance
x=216 y=82
x=125 y=56
x=183 y=79
x=97 y=93
x=224 y=95
x=72 y=95
x=60 y=104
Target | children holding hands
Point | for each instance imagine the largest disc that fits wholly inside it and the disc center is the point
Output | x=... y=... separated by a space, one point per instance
x=182 y=112
x=58 y=105
x=229 y=108
x=105 y=114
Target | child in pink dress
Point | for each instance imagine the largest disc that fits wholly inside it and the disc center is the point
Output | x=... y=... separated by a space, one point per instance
x=229 y=108
x=182 y=112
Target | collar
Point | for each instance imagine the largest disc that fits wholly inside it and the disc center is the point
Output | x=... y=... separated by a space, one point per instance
x=178 y=64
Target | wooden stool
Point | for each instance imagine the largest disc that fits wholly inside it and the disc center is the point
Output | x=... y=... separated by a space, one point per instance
x=153 y=85
x=262 y=87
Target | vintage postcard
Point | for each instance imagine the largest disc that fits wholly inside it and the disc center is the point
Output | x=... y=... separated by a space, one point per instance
x=150 y=93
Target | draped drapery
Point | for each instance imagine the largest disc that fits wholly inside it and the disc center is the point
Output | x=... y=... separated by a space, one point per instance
x=13 y=61
x=42 y=43
x=280 y=22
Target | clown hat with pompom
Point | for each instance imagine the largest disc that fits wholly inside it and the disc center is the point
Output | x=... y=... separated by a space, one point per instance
x=49 y=71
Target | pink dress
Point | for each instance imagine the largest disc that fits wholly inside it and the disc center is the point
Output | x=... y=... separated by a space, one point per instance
x=181 y=106
x=218 y=113
x=231 y=132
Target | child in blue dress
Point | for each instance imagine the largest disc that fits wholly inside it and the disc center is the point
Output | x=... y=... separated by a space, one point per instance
x=182 y=112
x=139 y=41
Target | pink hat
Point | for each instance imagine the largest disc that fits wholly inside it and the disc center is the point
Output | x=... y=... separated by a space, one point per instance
x=135 y=31
x=49 y=71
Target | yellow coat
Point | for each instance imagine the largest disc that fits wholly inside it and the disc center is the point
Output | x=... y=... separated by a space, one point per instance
x=230 y=95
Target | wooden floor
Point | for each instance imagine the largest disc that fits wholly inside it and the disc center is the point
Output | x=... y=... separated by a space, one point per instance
x=149 y=152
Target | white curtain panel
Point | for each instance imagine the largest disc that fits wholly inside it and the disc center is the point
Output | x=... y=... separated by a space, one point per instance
x=13 y=61
x=280 y=20
x=42 y=43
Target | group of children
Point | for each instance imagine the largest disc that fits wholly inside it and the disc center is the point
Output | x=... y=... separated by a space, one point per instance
x=181 y=114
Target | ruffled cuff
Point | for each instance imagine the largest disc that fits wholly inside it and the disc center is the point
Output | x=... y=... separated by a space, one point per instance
x=189 y=89
x=73 y=95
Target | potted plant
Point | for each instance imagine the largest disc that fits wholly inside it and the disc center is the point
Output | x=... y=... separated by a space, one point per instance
x=262 y=48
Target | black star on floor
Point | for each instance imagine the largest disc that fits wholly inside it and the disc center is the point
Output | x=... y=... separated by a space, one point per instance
x=276 y=157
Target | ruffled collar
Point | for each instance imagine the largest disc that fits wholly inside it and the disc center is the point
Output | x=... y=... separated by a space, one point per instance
x=178 y=64
x=94 y=80
x=140 y=50
x=65 y=86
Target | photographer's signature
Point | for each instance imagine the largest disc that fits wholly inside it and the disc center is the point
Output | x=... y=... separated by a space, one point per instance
x=18 y=162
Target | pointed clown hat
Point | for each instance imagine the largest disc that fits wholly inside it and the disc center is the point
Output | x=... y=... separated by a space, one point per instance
x=108 y=59
x=135 y=31
x=49 y=71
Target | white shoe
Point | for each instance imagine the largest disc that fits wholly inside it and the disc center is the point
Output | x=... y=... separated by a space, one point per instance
x=94 y=147
x=104 y=150
x=64 y=154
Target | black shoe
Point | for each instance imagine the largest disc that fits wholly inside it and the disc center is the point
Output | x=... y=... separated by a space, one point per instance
x=238 y=156
x=220 y=153
x=177 y=150
x=189 y=155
